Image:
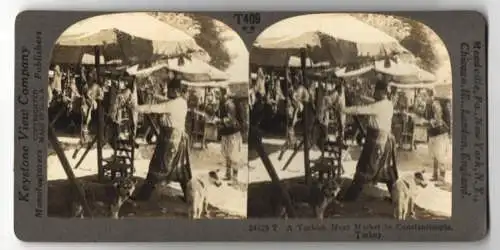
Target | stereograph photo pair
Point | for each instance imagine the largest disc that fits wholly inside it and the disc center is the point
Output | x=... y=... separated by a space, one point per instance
x=222 y=126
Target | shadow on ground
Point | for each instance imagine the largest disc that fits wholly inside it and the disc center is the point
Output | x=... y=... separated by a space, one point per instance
x=167 y=205
x=370 y=204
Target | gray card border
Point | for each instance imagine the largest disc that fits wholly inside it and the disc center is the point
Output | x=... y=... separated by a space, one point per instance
x=36 y=32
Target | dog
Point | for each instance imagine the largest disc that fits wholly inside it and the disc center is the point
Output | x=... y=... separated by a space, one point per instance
x=112 y=196
x=197 y=191
x=404 y=192
x=318 y=196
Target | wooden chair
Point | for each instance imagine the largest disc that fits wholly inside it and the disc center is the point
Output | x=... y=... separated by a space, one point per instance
x=121 y=164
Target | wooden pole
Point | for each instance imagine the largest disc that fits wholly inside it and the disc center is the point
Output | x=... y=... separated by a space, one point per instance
x=295 y=151
x=57 y=116
x=256 y=143
x=100 y=117
x=287 y=101
x=305 y=118
x=87 y=150
x=67 y=168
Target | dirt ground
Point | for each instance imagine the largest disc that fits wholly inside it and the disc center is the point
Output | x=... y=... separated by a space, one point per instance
x=209 y=159
x=168 y=204
x=260 y=194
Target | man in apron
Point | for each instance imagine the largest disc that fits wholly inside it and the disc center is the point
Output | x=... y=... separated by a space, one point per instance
x=170 y=161
x=374 y=164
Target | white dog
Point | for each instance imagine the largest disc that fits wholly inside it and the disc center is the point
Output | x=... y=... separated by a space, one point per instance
x=404 y=192
x=197 y=191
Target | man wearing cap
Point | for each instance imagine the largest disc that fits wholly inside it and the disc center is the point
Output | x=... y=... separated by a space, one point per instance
x=230 y=129
x=438 y=132
x=374 y=162
x=170 y=161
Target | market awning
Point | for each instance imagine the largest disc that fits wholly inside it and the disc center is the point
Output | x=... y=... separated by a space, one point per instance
x=128 y=30
x=404 y=72
x=339 y=38
x=206 y=84
x=401 y=72
x=193 y=70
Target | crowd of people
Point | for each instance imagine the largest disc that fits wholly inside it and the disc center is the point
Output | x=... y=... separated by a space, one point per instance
x=347 y=106
x=126 y=98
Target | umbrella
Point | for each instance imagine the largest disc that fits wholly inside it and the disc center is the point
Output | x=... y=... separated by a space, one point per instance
x=405 y=72
x=346 y=72
x=338 y=38
x=210 y=84
x=401 y=72
x=129 y=30
x=412 y=85
x=193 y=70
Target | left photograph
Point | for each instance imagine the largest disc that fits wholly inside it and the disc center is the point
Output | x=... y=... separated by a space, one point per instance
x=148 y=118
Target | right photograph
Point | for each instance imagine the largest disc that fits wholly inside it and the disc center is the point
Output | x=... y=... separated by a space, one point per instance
x=351 y=117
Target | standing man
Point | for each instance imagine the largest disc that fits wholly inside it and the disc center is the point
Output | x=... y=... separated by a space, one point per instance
x=325 y=104
x=438 y=132
x=123 y=108
x=57 y=80
x=374 y=164
x=92 y=92
x=170 y=160
x=230 y=130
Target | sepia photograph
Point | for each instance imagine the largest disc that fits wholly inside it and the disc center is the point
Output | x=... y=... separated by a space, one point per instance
x=350 y=117
x=149 y=116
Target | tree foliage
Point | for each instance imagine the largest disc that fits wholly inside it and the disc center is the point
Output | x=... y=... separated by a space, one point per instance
x=179 y=20
x=421 y=45
x=391 y=25
x=206 y=32
x=211 y=39
x=413 y=35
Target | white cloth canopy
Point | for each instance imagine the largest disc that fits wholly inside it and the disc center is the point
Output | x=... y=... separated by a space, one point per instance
x=206 y=84
x=342 y=72
x=440 y=90
x=402 y=72
x=405 y=72
x=196 y=66
x=341 y=26
x=99 y=30
x=194 y=70
x=338 y=37
x=412 y=85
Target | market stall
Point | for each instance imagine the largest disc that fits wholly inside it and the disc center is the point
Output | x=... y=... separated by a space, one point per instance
x=197 y=76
